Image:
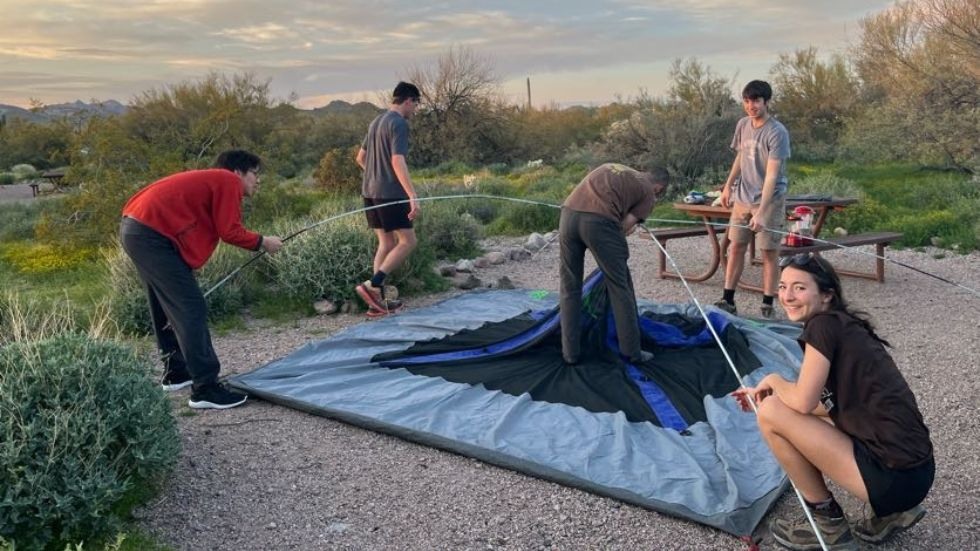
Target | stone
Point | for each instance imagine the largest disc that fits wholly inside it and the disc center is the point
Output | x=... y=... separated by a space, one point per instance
x=518 y=253
x=464 y=265
x=535 y=241
x=324 y=307
x=447 y=270
x=467 y=283
x=481 y=262
x=504 y=283
x=496 y=257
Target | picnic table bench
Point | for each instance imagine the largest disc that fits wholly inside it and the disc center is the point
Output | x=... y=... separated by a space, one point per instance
x=712 y=214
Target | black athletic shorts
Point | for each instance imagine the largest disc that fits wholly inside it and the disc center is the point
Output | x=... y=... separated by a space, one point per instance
x=388 y=218
x=893 y=490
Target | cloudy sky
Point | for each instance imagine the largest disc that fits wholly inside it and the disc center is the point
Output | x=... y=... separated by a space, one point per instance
x=574 y=51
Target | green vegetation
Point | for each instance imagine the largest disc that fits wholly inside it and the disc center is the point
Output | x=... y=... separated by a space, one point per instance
x=87 y=432
x=894 y=123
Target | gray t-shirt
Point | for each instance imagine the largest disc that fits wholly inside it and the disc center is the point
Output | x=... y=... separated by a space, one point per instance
x=387 y=136
x=757 y=146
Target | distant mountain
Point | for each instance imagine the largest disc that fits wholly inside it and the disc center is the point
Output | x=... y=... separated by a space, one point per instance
x=61 y=110
x=339 y=106
x=112 y=108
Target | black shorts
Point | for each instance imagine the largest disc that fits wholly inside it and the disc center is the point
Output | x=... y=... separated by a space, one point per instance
x=389 y=218
x=893 y=490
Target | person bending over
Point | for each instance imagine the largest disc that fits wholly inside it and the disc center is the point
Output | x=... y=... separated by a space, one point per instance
x=600 y=212
x=170 y=228
x=850 y=417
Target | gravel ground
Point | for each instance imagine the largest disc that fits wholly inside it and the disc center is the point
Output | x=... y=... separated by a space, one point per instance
x=267 y=477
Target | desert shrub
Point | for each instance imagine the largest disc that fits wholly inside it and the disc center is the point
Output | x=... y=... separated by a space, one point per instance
x=520 y=219
x=278 y=200
x=326 y=261
x=83 y=426
x=450 y=232
x=338 y=172
x=23 y=171
x=17 y=220
x=483 y=210
x=919 y=228
x=867 y=215
x=7 y=178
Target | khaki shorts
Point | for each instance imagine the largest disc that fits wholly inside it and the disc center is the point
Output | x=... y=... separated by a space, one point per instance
x=764 y=240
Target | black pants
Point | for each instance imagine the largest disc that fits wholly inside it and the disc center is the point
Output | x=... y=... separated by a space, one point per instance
x=579 y=231
x=177 y=307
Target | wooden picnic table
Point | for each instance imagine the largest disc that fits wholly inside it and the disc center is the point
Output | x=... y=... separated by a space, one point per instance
x=715 y=219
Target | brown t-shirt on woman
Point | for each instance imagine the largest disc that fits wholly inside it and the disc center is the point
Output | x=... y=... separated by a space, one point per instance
x=612 y=191
x=865 y=393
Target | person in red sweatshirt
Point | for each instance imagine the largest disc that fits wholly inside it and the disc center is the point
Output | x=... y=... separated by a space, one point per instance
x=169 y=229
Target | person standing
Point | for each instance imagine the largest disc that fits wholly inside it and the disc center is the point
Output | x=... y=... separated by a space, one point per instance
x=169 y=229
x=388 y=186
x=875 y=445
x=756 y=192
x=601 y=211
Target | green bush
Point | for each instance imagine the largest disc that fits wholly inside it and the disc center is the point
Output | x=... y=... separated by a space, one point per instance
x=919 y=228
x=519 y=219
x=17 y=220
x=83 y=427
x=326 y=261
x=7 y=178
x=449 y=230
x=338 y=172
x=23 y=171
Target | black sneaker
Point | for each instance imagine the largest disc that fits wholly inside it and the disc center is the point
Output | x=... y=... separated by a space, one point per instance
x=175 y=381
x=215 y=397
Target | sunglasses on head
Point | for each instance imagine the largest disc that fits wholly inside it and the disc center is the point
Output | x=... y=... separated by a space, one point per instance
x=801 y=259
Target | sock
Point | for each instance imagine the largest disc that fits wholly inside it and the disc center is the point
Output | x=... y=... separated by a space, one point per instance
x=729 y=296
x=767 y=299
x=378 y=279
x=827 y=508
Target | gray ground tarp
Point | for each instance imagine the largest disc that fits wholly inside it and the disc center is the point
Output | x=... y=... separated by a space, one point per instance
x=721 y=474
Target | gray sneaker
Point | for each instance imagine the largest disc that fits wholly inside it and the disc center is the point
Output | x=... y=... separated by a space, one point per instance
x=800 y=537
x=727 y=307
x=878 y=529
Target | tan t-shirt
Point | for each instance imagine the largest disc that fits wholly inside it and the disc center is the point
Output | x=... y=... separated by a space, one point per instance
x=612 y=191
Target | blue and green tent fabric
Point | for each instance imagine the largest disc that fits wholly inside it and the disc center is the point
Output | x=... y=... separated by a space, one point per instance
x=481 y=374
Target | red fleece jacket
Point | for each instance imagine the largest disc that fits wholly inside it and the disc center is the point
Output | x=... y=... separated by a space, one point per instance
x=195 y=209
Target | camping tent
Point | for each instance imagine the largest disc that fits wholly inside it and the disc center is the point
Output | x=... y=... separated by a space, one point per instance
x=481 y=374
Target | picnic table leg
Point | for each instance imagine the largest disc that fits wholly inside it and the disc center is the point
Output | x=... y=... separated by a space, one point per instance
x=712 y=266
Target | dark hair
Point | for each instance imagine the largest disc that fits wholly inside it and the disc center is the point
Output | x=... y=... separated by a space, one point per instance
x=238 y=160
x=404 y=91
x=659 y=174
x=757 y=89
x=828 y=282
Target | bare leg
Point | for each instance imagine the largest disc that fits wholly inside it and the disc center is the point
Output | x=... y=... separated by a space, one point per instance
x=770 y=272
x=405 y=243
x=386 y=242
x=809 y=449
x=735 y=265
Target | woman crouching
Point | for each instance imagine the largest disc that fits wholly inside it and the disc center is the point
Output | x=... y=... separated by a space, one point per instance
x=850 y=417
